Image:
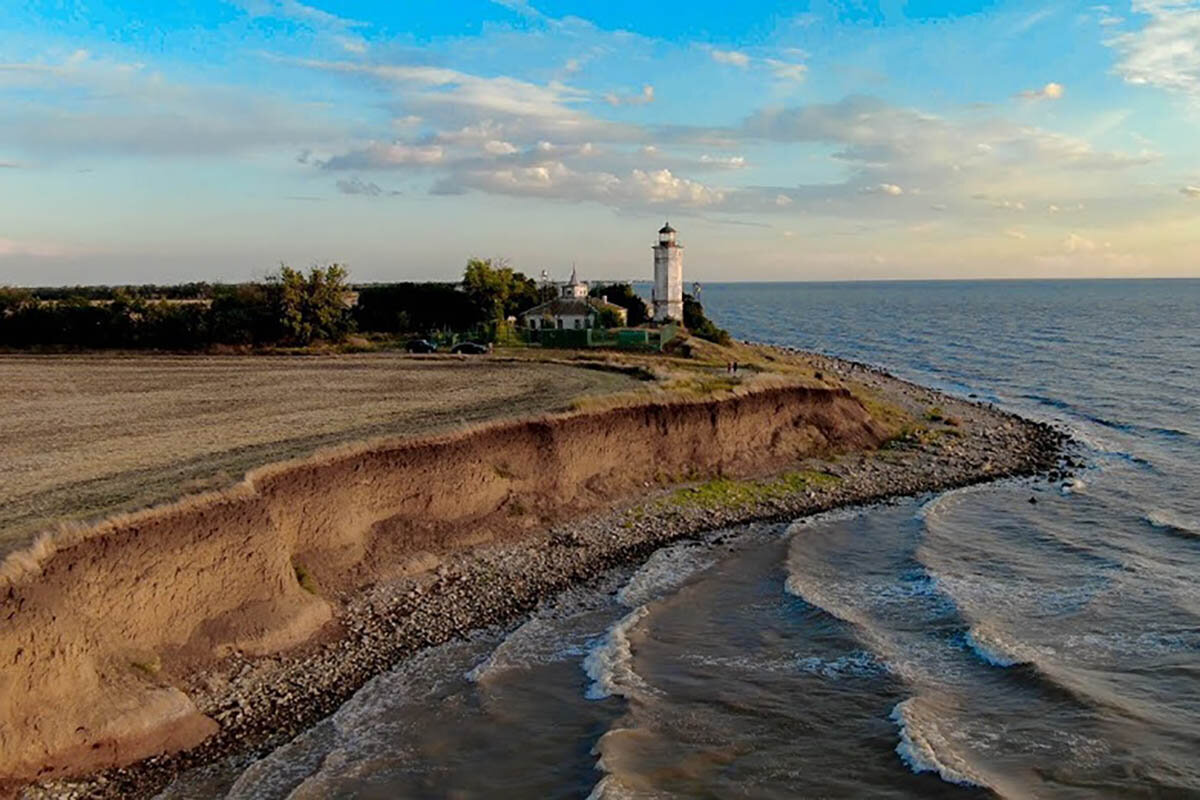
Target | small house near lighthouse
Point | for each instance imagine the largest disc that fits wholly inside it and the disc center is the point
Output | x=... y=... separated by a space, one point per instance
x=572 y=309
x=667 y=297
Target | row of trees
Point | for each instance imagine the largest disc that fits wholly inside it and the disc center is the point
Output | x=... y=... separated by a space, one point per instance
x=289 y=308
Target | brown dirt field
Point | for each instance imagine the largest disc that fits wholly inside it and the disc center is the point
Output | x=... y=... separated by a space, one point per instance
x=91 y=435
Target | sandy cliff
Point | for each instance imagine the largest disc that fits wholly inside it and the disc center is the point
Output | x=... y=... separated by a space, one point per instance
x=97 y=627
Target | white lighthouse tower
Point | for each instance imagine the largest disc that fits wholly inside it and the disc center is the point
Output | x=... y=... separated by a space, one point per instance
x=667 y=297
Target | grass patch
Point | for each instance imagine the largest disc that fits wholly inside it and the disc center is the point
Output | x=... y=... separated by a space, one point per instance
x=891 y=416
x=303 y=577
x=149 y=666
x=909 y=436
x=721 y=493
x=935 y=414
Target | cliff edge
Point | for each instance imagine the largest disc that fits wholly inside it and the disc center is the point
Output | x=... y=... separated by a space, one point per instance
x=103 y=624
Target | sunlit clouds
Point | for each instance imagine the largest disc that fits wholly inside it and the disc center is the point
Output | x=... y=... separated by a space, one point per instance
x=823 y=145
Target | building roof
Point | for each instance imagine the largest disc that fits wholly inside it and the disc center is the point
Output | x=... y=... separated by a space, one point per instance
x=667 y=229
x=571 y=307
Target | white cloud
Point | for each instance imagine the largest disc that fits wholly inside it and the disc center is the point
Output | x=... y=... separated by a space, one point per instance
x=359 y=186
x=787 y=71
x=1165 y=52
x=337 y=29
x=440 y=86
x=381 y=155
x=732 y=162
x=297 y=12
x=1074 y=243
x=660 y=186
x=889 y=189
x=887 y=144
x=640 y=99
x=498 y=148
x=1191 y=191
x=16 y=247
x=1032 y=19
x=732 y=57
x=85 y=105
x=351 y=44
x=1051 y=91
x=1013 y=233
x=555 y=179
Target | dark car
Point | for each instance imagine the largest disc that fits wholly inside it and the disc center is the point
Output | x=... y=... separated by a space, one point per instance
x=420 y=346
x=469 y=348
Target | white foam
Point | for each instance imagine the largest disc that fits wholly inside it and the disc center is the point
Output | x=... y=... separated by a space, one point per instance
x=666 y=570
x=934 y=507
x=610 y=662
x=924 y=749
x=540 y=640
x=1171 y=520
x=988 y=645
x=609 y=788
x=859 y=664
x=827 y=518
x=1074 y=486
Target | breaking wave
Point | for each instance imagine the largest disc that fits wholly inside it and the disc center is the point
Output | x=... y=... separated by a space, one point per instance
x=610 y=662
x=1177 y=523
x=924 y=748
x=993 y=649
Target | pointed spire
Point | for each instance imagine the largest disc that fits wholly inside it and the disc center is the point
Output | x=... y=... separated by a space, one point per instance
x=574 y=279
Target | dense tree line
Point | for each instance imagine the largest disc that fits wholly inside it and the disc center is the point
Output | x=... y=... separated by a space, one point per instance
x=290 y=308
x=197 y=290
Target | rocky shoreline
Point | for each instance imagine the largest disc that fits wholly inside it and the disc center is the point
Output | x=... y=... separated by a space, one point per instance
x=261 y=703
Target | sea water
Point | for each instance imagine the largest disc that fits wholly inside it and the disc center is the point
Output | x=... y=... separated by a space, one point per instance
x=958 y=645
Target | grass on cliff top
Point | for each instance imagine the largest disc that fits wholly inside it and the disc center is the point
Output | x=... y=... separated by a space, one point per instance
x=894 y=418
x=722 y=493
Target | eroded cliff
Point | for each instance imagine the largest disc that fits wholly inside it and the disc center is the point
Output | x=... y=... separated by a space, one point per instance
x=101 y=624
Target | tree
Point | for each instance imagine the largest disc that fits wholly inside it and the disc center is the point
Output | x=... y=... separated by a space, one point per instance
x=623 y=295
x=313 y=307
x=245 y=314
x=699 y=324
x=497 y=290
x=415 y=307
x=608 y=318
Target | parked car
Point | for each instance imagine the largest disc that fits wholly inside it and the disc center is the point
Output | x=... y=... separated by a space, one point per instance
x=420 y=346
x=469 y=348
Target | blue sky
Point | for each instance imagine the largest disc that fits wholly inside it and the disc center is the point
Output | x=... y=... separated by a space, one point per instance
x=143 y=141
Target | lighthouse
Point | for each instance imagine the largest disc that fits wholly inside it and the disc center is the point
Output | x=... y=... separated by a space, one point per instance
x=667 y=297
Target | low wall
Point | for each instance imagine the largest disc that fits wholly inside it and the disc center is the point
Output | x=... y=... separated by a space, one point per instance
x=99 y=626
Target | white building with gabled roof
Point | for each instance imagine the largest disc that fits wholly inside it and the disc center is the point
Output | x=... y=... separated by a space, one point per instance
x=572 y=309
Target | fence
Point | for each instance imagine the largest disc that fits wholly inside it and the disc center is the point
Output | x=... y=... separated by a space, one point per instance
x=645 y=339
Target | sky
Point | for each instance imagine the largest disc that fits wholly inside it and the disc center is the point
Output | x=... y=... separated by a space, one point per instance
x=143 y=141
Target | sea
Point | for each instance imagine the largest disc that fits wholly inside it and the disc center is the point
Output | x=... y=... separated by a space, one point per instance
x=962 y=644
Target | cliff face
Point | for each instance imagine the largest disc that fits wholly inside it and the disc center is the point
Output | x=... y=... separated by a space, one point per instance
x=97 y=626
